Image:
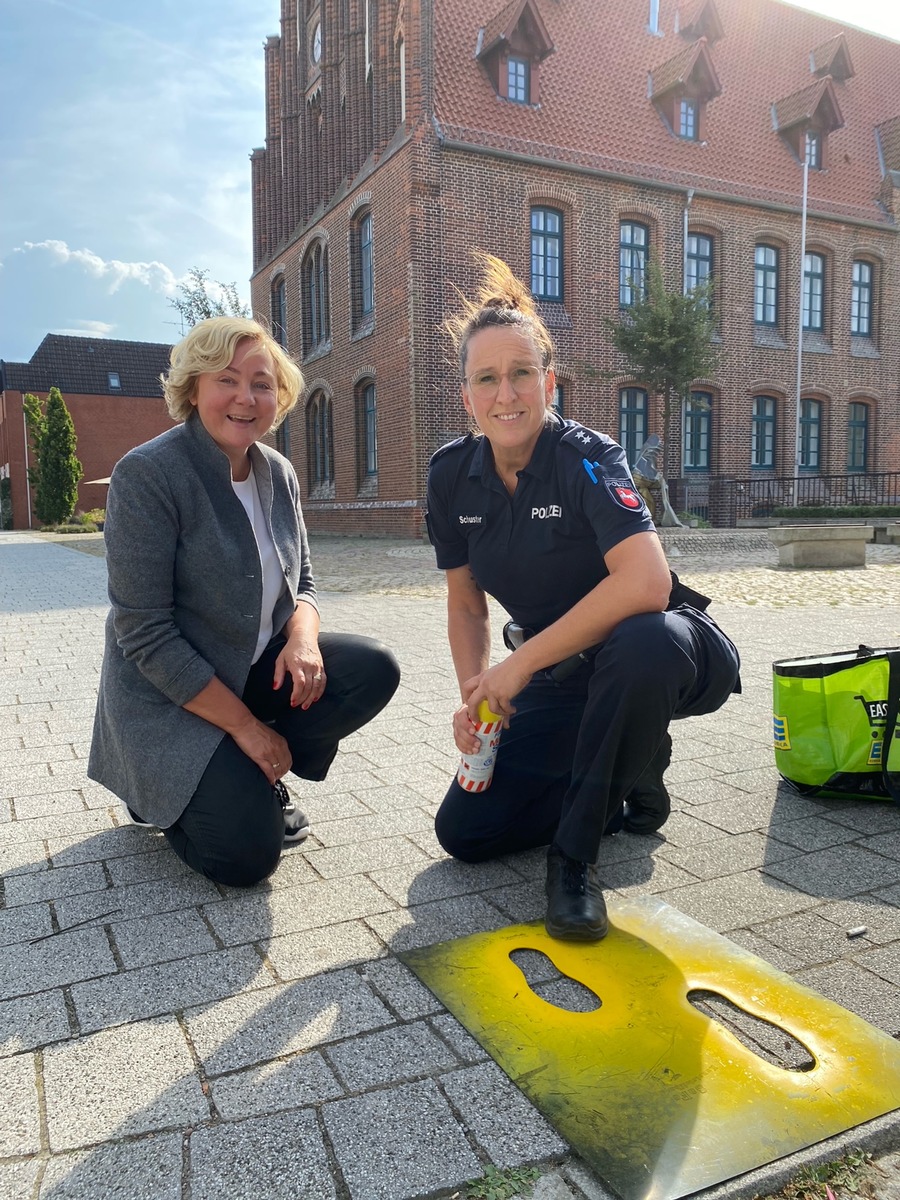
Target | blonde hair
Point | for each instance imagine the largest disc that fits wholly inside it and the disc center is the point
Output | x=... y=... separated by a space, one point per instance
x=210 y=346
x=502 y=299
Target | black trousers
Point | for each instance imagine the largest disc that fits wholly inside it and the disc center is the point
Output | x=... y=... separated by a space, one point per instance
x=232 y=830
x=574 y=750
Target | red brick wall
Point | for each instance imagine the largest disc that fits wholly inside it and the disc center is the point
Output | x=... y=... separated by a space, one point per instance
x=106 y=427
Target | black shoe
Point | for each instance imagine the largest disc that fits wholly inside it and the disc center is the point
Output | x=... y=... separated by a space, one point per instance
x=576 y=910
x=296 y=823
x=647 y=805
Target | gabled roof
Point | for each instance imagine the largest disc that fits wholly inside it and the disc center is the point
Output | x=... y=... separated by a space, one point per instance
x=692 y=65
x=502 y=27
x=816 y=103
x=833 y=58
x=82 y=366
x=700 y=20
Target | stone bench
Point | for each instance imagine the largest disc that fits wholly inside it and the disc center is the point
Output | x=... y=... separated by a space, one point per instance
x=821 y=545
x=887 y=535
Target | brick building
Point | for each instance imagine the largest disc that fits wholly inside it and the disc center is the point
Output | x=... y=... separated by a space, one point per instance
x=112 y=390
x=574 y=138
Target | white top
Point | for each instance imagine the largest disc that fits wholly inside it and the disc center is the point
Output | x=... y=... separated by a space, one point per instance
x=272 y=575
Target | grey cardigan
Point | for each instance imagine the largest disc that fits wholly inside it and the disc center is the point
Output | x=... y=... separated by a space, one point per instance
x=186 y=591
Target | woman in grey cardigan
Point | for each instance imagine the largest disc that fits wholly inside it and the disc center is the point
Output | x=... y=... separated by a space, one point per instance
x=216 y=680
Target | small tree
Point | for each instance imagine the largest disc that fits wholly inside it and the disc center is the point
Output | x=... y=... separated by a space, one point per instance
x=201 y=297
x=56 y=471
x=666 y=340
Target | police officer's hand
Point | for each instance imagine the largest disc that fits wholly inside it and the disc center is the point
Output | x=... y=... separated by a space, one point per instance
x=498 y=685
x=467 y=741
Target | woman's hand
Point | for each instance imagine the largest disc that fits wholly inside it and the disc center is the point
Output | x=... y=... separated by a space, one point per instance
x=467 y=740
x=302 y=660
x=267 y=748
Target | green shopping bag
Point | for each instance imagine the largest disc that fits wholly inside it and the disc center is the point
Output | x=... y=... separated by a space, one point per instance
x=835 y=719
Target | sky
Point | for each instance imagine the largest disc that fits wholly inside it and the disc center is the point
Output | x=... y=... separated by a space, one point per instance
x=125 y=133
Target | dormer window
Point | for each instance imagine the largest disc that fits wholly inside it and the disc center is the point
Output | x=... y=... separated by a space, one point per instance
x=699 y=20
x=681 y=88
x=813 y=149
x=687 y=118
x=511 y=48
x=805 y=119
x=517 y=73
x=833 y=58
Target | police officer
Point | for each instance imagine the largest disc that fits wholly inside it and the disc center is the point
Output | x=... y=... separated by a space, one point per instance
x=542 y=514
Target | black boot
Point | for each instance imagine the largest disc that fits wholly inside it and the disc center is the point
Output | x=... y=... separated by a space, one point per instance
x=647 y=805
x=576 y=910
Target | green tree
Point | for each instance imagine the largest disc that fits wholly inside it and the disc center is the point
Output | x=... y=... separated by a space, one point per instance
x=56 y=471
x=199 y=298
x=666 y=340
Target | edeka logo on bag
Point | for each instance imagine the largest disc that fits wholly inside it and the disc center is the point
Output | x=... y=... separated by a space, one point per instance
x=782 y=737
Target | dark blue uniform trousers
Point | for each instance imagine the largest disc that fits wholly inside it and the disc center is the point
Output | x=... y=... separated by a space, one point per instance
x=574 y=750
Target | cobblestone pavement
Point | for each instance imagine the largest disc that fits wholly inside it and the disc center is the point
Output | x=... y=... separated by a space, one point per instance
x=162 y=1037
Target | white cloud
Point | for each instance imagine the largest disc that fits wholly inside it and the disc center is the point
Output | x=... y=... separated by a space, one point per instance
x=154 y=275
x=98 y=329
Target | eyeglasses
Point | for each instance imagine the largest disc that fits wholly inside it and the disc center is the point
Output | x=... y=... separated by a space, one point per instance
x=484 y=385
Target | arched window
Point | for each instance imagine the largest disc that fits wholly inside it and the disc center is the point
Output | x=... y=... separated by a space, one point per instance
x=697 y=432
x=279 y=312
x=316 y=319
x=810 y=434
x=765 y=284
x=368 y=429
x=634 y=242
x=547 y=254
x=861 y=299
x=319 y=441
x=858 y=437
x=632 y=421
x=762 y=432
x=362 y=266
x=814 y=292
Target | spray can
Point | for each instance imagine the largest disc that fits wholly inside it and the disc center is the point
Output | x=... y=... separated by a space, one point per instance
x=477 y=770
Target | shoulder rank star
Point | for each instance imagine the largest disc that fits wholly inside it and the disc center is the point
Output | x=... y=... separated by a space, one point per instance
x=582 y=436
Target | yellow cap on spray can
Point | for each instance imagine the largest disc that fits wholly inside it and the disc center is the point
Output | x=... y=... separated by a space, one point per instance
x=477 y=770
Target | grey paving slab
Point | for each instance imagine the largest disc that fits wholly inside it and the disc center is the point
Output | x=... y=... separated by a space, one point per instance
x=462 y=1043
x=132 y=1079
x=428 y=923
x=521 y=902
x=395 y=1055
x=643 y=876
x=726 y=855
x=23 y=925
x=145 y=1169
x=241 y=1031
x=400 y=989
x=19 y=1179
x=399 y=1143
x=26 y=1024
x=161 y=938
x=414 y=884
x=154 y=861
x=20 y=1130
x=286 y=1083
x=837 y=871
x=368 y=856
x=142 y=899
x=47 y=804
x=167 y=987
x=736 y=901
x=59 y=826
x=300 y=955
x=885 y=961
x=31 y=887
x=503 y=1122
x=807 y=937
x=375 y=825
x=862 y=992
x=880 y=920
x=813 y=833
x=871 y=817
x=54 y=961
x=282 y=1156
x=279 y=912
x=103 y=846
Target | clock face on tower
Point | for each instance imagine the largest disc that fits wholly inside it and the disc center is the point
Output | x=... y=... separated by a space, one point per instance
x=317 y=43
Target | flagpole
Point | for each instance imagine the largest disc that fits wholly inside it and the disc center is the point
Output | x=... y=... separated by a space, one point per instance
x=799 y=388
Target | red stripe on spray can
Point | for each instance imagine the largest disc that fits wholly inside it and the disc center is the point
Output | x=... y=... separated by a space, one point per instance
x=477 y=770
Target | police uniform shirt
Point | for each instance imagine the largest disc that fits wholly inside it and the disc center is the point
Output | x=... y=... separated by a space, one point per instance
x=540 y=550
